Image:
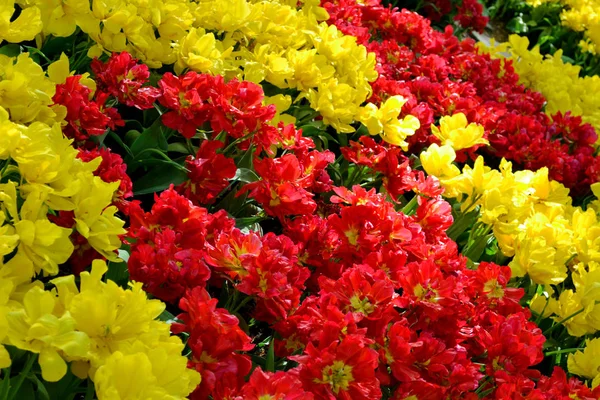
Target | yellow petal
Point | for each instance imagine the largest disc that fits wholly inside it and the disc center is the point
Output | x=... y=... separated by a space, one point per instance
x=52 y=365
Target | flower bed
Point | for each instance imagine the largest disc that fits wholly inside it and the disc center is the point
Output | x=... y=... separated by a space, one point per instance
x=290 y=200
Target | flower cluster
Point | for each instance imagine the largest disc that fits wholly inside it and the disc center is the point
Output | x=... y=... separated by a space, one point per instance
x=439 y=75
x=56 y=210
x=291 y=47
x=560 y=83
x=580 y=16
x=71 y=324
x=292 y=200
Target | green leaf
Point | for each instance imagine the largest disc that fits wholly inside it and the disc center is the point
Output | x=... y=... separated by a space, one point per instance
x=151 y=138
x=131 y=136
x=10 y=50
x=89 y=393
x=462 y=222
x=5 y=383
x=245 y=175
x=166 y=316
x=477 y=247
x=246 y=161
x=158 y=179
x=270 y=364
x=117 y=271
x=517 y=25
x=178 y=147
x=25 y=391
x=41 y=389
x=118 y=139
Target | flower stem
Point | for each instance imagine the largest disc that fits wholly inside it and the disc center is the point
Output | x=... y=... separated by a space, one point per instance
x=22 y=375
x=553 y=327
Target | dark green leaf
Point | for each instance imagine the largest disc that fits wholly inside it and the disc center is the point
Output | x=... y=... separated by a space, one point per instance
x=131 y=136
x=178 y=147
x=41 y=389
x=245 y=175
x=246 y=160
x=166 y=316
x=462 y=222
x=25 y=391
x=118 y=139
x=10 y=50
x=270 y=364
x=158 y=179
x=151 y=138
x=5 y=383
x=118 y=272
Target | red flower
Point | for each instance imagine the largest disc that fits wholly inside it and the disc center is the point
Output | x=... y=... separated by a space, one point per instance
x=170 y=246
x=343 y=370
x=277 y=386
x=122 y=77
x=470 y=15
x=361 y=291
x=209 y=173
x=513 y=344
x=281 y=191
x=85 y=117
x=238 y=109
x=275 y=277
x=434 y=215
x=559 y=387
x=214 y=338
x=184 y=96
x=489 y=281
x=166 y=268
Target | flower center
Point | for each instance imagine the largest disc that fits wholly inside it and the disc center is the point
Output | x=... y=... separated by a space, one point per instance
x=338 y=375
x=362 y=306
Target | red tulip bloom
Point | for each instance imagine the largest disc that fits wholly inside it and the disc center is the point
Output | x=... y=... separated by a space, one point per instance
x=123 y=78
x=277 y=386
x=343 y=370
x=209 y=173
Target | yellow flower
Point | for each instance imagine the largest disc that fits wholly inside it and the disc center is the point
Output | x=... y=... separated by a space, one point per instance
x=23 y=28
x=111 y=316
x=35 y=328
x=335 y=102
x=586 y=363
x=44 y=243
x=11 y=135
x=60 y=17
x=45 y=156
x=595 y=205
x=59 y=70
x=201 y=52
x=282 y=103
x=587 y=283
x=544 y=303
x=457 y=132
x=332 y=43
x=586 y=229
x=384 y=121
x=95 y=218
x=438 y=161
x=542 y=248
x=25 y=91
x=142 y=374
x=310 y=68
x=6 y=288
x=569 y=303
x=8 y=238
